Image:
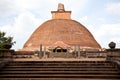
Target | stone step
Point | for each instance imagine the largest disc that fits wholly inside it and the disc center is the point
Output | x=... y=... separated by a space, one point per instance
x=59 y=72
x=60 y=62
x=53 y=79
x=33 y=70
x=59 y=69
x=91 y=76
x=60 y=66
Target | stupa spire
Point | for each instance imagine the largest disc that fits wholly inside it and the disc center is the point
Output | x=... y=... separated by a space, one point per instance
x=61 y=13
x=61 y=7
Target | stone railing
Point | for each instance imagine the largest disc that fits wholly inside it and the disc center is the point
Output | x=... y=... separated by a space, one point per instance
x=83 y=54
x=6 y=54
x=3 y=63
x=114 y=57
x=113 y=54
x=116 y=63
x=23 y=54
x=5 y=57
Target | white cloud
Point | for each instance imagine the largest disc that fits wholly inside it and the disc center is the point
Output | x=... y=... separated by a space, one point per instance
x=84 y=19
x=113 y=8
x=101 y=19
x=104 y=33
x=22 y=28
x=15 y=7
x=111 y=29
x=8 y=7
x=107 y=33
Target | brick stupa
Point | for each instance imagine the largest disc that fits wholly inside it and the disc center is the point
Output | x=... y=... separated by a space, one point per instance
x=61 y=30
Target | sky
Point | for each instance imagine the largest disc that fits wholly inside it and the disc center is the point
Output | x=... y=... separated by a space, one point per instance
x=20 y=18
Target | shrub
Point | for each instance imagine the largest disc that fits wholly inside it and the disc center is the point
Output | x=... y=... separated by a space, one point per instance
x=6 y=42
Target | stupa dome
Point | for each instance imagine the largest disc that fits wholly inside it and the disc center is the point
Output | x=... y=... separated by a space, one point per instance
x=61 y=28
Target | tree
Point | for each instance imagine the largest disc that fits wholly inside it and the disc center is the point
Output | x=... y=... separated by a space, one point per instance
x=6 y=42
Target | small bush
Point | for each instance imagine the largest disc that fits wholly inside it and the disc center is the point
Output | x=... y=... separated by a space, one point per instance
x=6 y=42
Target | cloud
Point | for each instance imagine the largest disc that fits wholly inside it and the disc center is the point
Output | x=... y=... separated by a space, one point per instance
x=15 y=7
x=107 y=33
x=23 y=26
x=8 y=7
x=103 y=33
x=113 y=8
x=84 y=18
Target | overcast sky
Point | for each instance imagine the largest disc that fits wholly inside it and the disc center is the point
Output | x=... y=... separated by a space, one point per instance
x=19 y=18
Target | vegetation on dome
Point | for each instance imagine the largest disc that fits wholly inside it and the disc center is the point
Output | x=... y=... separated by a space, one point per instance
x=6 y=42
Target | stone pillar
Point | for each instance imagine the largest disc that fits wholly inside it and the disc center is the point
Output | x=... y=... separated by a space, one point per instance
x=74 y=55
x=78 y=51
x=67 y=52
x=44 y=52
x=52 y=52
x=40 y=55
x=84 y=52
